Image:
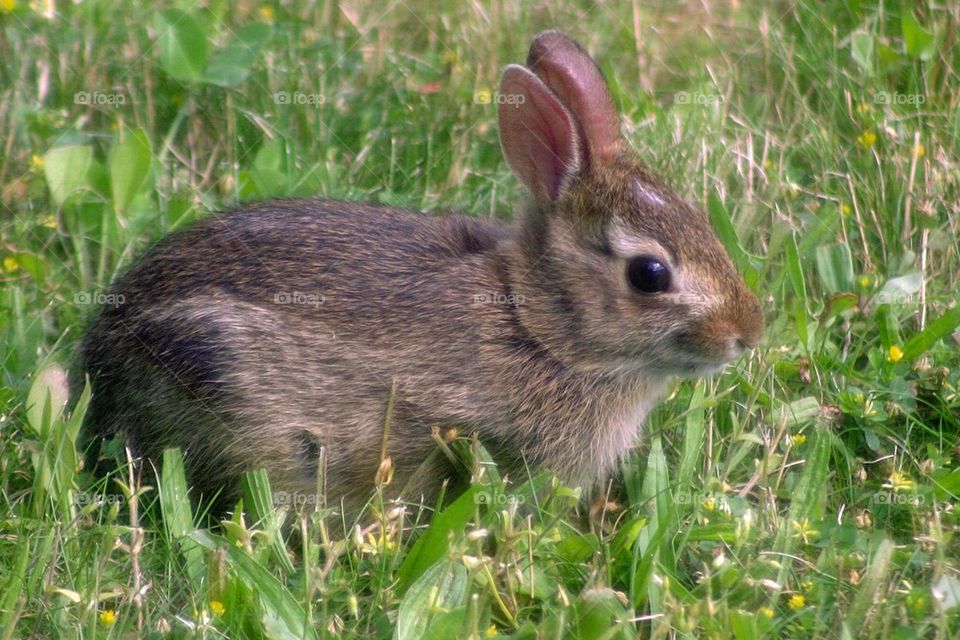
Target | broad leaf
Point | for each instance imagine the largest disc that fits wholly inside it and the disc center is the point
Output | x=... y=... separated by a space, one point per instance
x=130 y=160
x=229 y=66
x=184 y=48
x=67 y=169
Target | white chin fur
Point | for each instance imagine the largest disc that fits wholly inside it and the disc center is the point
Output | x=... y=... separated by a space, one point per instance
x=705 y=370
x=695 y=370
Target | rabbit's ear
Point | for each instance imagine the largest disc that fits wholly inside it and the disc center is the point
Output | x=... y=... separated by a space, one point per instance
x=538 y=135
x=573 y=76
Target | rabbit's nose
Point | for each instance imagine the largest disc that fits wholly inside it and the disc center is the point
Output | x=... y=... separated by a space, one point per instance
x=749 y=325
x=745 y=341
x=740 y=344
x=736 y=347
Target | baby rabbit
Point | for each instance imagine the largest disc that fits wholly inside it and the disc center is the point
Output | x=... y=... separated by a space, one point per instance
x=260 y=337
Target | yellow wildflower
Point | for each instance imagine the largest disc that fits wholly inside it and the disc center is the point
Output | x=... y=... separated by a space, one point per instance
x=491 y=631
x=798 y=439
x=7 y=6
x=899 y=481
x=796 y=601
x=108 y=617
x=894 y=353
x=867 y=139
x=767 y=612
x=10 y=264
x=217 y=608
x=804 y=530
x=266 y=12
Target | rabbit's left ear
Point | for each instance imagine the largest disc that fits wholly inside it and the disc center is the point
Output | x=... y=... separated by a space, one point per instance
x=574 y=77
x=538 y=134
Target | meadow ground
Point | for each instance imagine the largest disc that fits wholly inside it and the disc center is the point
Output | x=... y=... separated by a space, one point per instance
x=810 y=491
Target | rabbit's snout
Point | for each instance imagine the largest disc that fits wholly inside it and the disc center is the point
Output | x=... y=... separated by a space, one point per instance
x=749 y=321
x=735 y=329
x=737 y=346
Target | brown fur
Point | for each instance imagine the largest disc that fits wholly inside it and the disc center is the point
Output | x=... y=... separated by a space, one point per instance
x=528 y=334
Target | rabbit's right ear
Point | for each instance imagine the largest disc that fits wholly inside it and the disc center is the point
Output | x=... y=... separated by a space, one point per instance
x=538 y=134
x=575 y=78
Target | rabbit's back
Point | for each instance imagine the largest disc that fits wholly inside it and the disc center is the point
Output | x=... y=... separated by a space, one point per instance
x=261 y=335
x=259 y=253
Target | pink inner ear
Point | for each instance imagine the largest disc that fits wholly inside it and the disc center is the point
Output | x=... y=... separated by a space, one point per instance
x=575 y=78
x=537 y=133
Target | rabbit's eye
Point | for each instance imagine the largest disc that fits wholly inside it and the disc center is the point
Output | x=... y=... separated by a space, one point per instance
x=648 y=274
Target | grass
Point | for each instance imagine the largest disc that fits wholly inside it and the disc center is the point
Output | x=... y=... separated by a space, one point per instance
x=808 y=492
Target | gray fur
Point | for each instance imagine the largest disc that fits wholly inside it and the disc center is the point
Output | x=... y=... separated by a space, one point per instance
x=526 y=334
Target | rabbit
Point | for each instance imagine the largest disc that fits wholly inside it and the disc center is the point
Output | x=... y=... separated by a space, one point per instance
x=264 y=336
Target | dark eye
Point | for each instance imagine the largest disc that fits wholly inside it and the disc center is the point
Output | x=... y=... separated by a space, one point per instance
x=648 y=274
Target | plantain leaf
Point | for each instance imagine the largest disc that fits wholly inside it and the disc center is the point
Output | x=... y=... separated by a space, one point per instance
x=129 y=159
x=442 y=587
x=67 y=169
x=432 y=545
x=230 y=65
x=861 y=46
x=919 y=43
x=184 y=48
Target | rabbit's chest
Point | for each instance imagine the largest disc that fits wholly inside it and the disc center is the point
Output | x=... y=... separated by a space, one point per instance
x=621 y=425
x=598 y=426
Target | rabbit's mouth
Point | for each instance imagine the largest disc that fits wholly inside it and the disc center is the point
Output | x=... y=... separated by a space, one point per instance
x=704 y=370
x=681 y=362
x=688 y=369
x=690 y=359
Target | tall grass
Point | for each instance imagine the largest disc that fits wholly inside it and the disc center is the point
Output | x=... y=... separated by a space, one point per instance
x=808 y=492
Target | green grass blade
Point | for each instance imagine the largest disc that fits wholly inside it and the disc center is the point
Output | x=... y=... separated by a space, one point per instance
x=258 y=500
x=939 y=328
x=281 y=615
x=433 y=544
x=178 y=514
